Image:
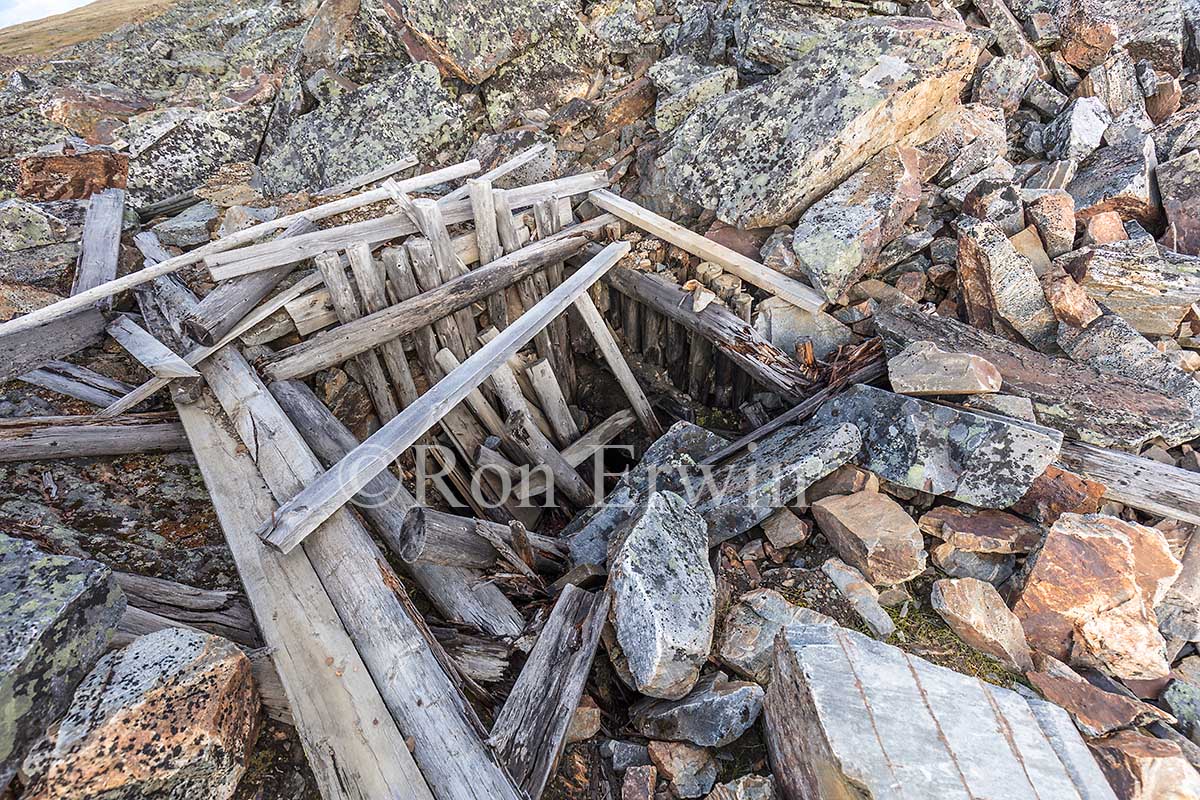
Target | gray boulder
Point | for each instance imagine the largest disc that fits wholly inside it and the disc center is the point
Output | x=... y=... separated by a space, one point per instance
x=716 y=712
x=189 y=228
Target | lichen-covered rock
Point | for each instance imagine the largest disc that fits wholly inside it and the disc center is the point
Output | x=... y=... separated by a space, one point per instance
x=1089 y=30
x=36 y=246
x=761 y=155
x=26 y=225
x=1004 y=81
x=715 y=713
x=838 y=239
x=778 y=32
x=787 y=327
x=93 y=112
x=747 y=787
x=1077 y=130
x=57 y=615
x=406 y=113
x=1089 y=593
x=924 y=368
x=623 y=25
x=173 y=715
x=749 y=630
x=970 y=139
x=872 y=532
x=975 y=611
x=1119 y=178
x=663 y=597
x=1052 y=212
x=1179 y=185
x=189 y=228
x=976 y=458
x=683 y=84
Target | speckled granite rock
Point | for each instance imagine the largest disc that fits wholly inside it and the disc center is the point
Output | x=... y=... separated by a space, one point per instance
x=406 y=113
x=172 y=715
x=57 y=615
x=761 y=155
x=623 y=25
x=778 y=32
x=663 y=597
x=749 y=630
x=1119 y=178
x=1078 y=129
x=716 y=712
x=975 y=458
x=189 y=228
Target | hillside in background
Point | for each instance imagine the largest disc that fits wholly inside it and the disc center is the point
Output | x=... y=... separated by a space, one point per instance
x=45 y=36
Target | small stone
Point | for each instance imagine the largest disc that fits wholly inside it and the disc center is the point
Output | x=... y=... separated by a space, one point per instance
x=995 y=568
x=998 y=202
x=1103 y=228
x=585 y=722
x=872 y=532
x=1095 y=711
x=639 y=783
x=751 y=626
x=663 y=597
x=861 y=596
x=1182 y=699
x=846 y=479
x=1053 y=175
x=1165 y=101
x=175 y=714
x=972 y=140
x=239 y=218
x=922 y=368
x=975 y=611
x=1056 y=492
x=715 y=713
x=189 y=228
x=747 y=787
x=1045 y=98
x=785 y=529
x=1077 y=130
x=1052 y=212
x=1028 y=244
x=691 y=770
x=623 y=755
x=787 y=326
x=981 y=531
x=1070 y=302
x=1143 y=768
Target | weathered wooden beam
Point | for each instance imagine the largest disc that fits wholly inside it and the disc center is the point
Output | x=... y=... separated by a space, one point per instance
x=1141 y=483
x=521 y=432
x=487 y=239
x=335 y=346
x=553 y=403
x=548 y=222
x=729 y=334
x=368 y=276
x=499 y=171
x=101 y=246
x=732 y=261
x=531 y=728
x=367 y=178
x=26 y=349
x=152 y=354
x=78 y=382
x=353 y=746
x=327 y=493
x=429 y=536
x=33 y=438
x=223 y=613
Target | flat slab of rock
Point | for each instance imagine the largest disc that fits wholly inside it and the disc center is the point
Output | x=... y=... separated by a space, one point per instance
x=1179 y=184
x=977 y=531
x=715 y=713
x=1118 y=178
x=975 y=611
x=663 y=597
x=174 y=714
x=978 y=459
x=1095 y=711
x=761 y=155
x=874 y=533
x=1090 y=590
x=57 y=615
x=1057 y=492
x=749 y=631
x=787 y=327
x=923 y=368
x=778 y=32
x=846 y=714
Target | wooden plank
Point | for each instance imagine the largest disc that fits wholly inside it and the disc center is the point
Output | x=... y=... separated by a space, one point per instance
x=101 y=246
x=367 y=178
x=429 y=217
x=487 y=240
x=335 y=346
x=430 y=536
x=729 y=334
x=355 y=749
x=26 y=349
x=546 y=218
x=78 y=382
x=1141 y=483
x=531 y=728
x=32 y=438
x=312 y=312
x=69 y=305
x=732 y=261
x=461 y=596
x=499 y=171
x=327 y=493
x=552 y=401
x=223 y=613
x=521 y=432
x=368 y=276
x=149 y=352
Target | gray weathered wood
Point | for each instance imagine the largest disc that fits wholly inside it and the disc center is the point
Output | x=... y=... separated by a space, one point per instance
x=23 y=349
x=354 y=748
x=552 y=401
x=521 y=432
x=429 y=217
x=424 y=264
x=487 y=237
x=367 y=178
x=512 y=164
x=223 y=613
x=531 y=728
x=32 y=438
x=148 y=351
x=1142 y=483
x=429 y=536
x=101 y=246
x=368 y=276
x=546 y=217
x=78 y=382
x=329 y=492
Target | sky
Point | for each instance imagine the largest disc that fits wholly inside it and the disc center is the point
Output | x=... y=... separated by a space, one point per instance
x=15 y=11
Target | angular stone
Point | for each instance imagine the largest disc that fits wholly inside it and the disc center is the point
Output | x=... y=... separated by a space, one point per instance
x=785 y=529
x=846 y=715
x=1070 y=302
x=623 y=755
x=1000 y=287
x=625 y=107
x=26 y=225
x=410 y=114
x=749 y=631
x=623 y=25
x=923 y=368
x=734 y=498
x=998 y=202
x=838 y=239
x=778 y=32
x=861 y=595
x=975 y=612
x=1009 y=36
x=1179 y=184
x=663 y=597
x=71 y=170
x=715 y=713
x=1118 y=178
x=1056 y=492
x=1002 y=83
x=691 y=770
x=747 y=787
x=189 y=228
x=175 y=714
x=1053 y=175
x=638 y=783
x=1090 y=590
x=872 y=532
x=978 y=531
x=1095 y=711
x=1115 y=84
x=1077 y=130
x=1052 y=211
x=1088 y=30
x=57 y=615
x=941 y=450
x=995 y=568
x=683 y=84
x=1143 y=768
x=1006 y=405
x=971 y=139
x=1104 y=228
x=1045 y=98
x=761 y=155
x=1182 y=699
x=1001 y=171
x=787 y=326
x=94 y=112
x=847 y=479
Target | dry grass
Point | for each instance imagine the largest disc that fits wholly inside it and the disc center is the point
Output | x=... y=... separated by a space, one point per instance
x=44 y=37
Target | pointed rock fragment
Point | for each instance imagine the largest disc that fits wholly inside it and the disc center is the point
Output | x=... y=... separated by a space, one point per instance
x=1095 y=711
x=691 y=770
x=1140 y=767
x=985 y=531
x=715 y=713
x=923 y=368
x=1119 y=177
x=1056 y=492
x=975 y=611
x=861 y=595
x=872 y=532
x=749 y=631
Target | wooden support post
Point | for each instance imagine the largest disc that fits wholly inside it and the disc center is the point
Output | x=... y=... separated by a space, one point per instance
x=527 y=288
x=101 y=246
x=329 y=492
x=546 y=216
x=353 y=745
x=521 y=432
x=33 y=438
x=531 y=728
x=429 y=536
x=487 y=238
x=372 y=288
x=553 y=403
x=429 y=218
x=420 y=254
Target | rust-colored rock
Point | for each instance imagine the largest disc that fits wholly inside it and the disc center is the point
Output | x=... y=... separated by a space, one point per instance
x=873 y=533
x=639 y=783
x=1090 y=591
x=1142 y=768
x=72 y=170
x=1103 y=228
x=626 y=106
x=1068 y=300
x=1056 y=492
x=981 y=531
x=93 y=112
x=1088 y=32
x=975 y=611
x=1095 y=711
